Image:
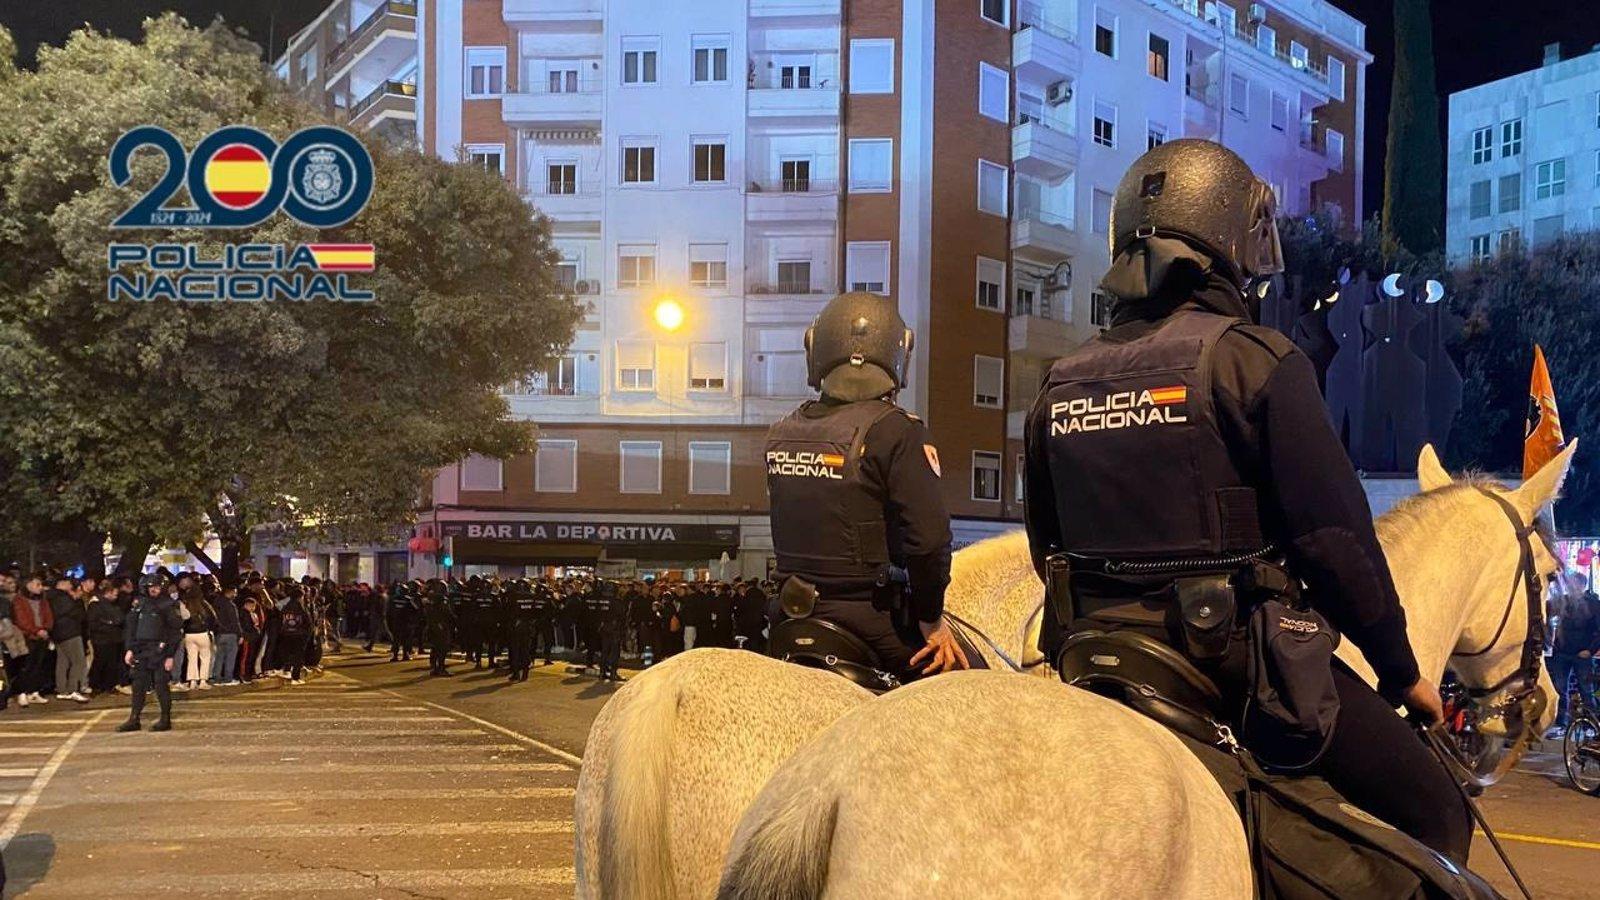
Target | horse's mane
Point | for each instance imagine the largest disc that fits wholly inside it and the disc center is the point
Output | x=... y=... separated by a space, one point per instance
x=1413 y=514
x=990 y=562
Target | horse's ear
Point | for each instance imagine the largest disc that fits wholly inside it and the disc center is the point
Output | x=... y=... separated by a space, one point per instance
x=1430 y=473
x=1545 y=486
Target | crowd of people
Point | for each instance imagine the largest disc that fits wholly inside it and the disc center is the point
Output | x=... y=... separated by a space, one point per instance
x=63 y=637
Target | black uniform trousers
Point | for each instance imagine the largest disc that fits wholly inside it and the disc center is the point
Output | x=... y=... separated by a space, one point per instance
x=521 y=649
x=876 y=627
x=149 y=670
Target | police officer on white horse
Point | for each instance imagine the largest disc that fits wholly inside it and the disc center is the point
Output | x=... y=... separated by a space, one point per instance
x=859 y=526
x=1187 y=441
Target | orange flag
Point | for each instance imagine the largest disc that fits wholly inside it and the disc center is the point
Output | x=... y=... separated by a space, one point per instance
x=1542 y=433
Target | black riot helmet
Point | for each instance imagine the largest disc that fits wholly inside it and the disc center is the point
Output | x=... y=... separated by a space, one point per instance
x=152 y=580
x=858 y=348
x=1203 y=194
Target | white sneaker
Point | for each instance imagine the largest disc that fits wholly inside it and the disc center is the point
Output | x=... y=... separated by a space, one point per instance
x=296 y=681
x=63 y=696
x=78 y=697
x=124 y=689
x=22 y=700
x=205 y=685
x=38 y=697
x=179 y=686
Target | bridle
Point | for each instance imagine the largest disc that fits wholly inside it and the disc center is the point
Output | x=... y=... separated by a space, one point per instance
x=1523 y=704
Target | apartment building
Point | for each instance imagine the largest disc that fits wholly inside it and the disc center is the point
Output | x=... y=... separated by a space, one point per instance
x=1524 y=158
x=358 y=61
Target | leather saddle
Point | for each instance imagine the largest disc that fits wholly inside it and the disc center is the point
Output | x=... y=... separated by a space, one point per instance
x=820 y=644
x=1148 y=676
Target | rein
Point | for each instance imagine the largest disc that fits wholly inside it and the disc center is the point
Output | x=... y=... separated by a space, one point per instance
x=973 y=630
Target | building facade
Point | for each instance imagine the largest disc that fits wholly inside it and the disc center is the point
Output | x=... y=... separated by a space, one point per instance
x=1524 y=158
x=358 y=62
x=713 y=172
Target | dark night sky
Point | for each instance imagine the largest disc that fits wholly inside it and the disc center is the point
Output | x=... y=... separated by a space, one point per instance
x=1474 y=40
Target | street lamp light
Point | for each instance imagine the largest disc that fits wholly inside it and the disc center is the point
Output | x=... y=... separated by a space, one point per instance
x=669 y=314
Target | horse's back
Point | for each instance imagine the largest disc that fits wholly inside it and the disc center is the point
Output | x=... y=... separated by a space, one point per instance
x=1068 y=783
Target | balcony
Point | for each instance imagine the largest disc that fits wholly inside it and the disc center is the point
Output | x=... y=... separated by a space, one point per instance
x=792 y=9
x=1040 y=337
x=1043 y=50
x=821 y=101
x=538 y=104
x=1308 y=71
x=566 y=204
x=379 y=46
x=1043 y=235
x=553 y=13
x=1043 y=151
x=809 y=200
x=390 y=100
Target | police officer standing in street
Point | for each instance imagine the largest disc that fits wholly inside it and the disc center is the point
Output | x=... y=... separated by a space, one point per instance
x=1189 y=441
x=859 y=525
x=439 y=619
x=401 y=613
x=523 y=614
x=152 y=634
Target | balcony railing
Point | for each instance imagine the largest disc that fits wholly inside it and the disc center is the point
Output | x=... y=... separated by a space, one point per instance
x=545 y=188
x=369 y=25
x=588 y=85
x=1241 y=33
x=783 y=287
x=1030 y=14
x=385 y=89
x=794 y=186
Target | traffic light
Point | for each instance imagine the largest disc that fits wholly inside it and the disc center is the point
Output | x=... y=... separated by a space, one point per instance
x=447 y=554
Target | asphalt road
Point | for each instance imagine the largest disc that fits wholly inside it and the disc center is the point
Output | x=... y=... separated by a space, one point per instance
x=376 y=781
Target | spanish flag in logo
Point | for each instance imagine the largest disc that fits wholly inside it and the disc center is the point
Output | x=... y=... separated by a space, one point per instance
x=1166 y=396
x=343 y=257
x=1542 y=433
x=238 y=175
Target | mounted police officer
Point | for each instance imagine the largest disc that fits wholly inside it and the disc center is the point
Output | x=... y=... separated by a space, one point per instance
x=1187 y=441
x=859 y=525
x=152 y=633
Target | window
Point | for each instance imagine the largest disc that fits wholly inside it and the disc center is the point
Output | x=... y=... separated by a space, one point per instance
x=1105 y=33
x=985 y=475
x=1597 y=110
x=710 y=60
x=710 y=161
x=1105 y=124
x=872 y=66
x=1480 y=248
x=1267 y=39
x=489 y=157
x=1019 y=486
x=994 y=10
x=1155 y=135
x=567 y=275
x=558 y=378
x=1102 y=212
x=486 y=71
x=794 y=276
x=1336 y=77
x=1156 y=60
x=1100 y=309
x=988 y=381
x=1482 y=146
x=866 y=266
x=1547 y=229
x=777 y=363
x=710 y=467
x=708 y=265
x=555 y=466
x=708 y=367
x=1226 y=17
x=1550 y=180
x=1299 y=56
x=1480 y=201
x=1511 y=192
x=562 y=79
x=1239 y=95
x=994 y=93
x=638 y=162
x=636 y=265
x=1597 y=168
x=1510 y=241
x=306 y=64
x=640 y=467
x=794 y=77
x=1023 y=302
x=796 y=175
x=561 y=178
x=481 y=473
x=636 y=366
x=991 y=281
x=992 y=190
x=639 y=56
x=1511 y=138
x=1335 y=144
x=1280 y=112
x=871 y=165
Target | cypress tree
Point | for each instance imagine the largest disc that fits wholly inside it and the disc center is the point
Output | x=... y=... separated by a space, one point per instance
x=1413 y=176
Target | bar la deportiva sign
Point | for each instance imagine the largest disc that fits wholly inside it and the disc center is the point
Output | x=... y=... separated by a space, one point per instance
x=593 y=532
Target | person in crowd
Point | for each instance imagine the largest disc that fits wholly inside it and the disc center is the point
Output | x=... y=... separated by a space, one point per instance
x=151 y=634
x=105 y=617
x=523 y=616
x=439 y=621
x=372 y=610
x=1577 y=640
x=750 y=616
x=13 y=653
x=720 y=600
x=68 y=620
x=295 y=630
x=544 y=628
x=198 y=627
x=694 y=614
x=400 y=613
x=31 y=613
x=251 y=618
x=225 y=653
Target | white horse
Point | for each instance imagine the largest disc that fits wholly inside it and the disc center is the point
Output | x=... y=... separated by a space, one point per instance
x=676 y=755
x=973 y=784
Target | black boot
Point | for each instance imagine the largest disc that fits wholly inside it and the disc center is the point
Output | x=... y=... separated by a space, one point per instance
x=130 y=725
x=163 y=724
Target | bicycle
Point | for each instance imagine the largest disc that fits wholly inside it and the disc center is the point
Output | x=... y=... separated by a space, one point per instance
x=1580 y=746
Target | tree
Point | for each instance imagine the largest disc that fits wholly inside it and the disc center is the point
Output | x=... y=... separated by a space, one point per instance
x=1511 y=303
x=160 y=419
x=1413 y=187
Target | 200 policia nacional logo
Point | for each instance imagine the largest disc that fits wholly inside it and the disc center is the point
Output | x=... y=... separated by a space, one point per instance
x=238 y=177
x=1121 y=409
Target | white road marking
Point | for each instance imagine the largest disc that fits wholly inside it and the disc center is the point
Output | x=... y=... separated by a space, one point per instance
x=24 y=803
x=36 y=734
x=221 y=718
x=312 y=880
x=309 y=796
x=307 y=767
x=301 y=749
x=557 y=752
x=18 y=751
x=18 y=773
x=199 y=831
x=7 y=799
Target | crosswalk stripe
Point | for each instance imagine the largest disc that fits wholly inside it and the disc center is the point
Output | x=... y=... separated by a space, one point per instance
x=249 y=732
x=305 y=767
x=200 y=831
x=7 y=799
x=26 y=800
x=213 y=795
x=300 y=749
x=20 y=751
x=34 y=734
x=557 y=752
x=29 y=773
x=302 y=882
x=213 y=719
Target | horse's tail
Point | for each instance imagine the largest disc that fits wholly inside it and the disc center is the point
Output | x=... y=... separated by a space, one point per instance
x=785 y=856
x=638 y=861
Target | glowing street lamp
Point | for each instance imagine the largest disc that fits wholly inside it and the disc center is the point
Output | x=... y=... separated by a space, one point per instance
x=669 y=315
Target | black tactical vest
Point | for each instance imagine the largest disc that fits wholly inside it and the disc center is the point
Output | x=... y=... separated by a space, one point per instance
x=827 y=522
x=150 y=618
x=1137 y=459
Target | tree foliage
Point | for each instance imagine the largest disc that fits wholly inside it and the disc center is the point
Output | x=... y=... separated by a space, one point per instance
x=1413 y=176
x=140 y=417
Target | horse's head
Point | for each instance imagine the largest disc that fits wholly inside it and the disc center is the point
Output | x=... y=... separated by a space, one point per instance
x=1492 y=654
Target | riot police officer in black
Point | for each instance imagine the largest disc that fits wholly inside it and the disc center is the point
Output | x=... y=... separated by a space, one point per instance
x=858 y=517
x=1185 y=432
x=151 y=633
x=439 y=619
x=401 y=615
x=523 y=617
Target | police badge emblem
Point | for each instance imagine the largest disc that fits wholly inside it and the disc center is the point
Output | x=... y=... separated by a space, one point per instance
x=932 y=453
x=320 y=179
